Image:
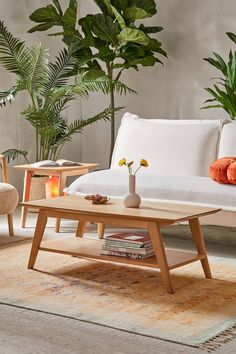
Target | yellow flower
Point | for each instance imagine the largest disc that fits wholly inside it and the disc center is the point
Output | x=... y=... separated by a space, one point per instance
x=143 y=163
x=122 y=162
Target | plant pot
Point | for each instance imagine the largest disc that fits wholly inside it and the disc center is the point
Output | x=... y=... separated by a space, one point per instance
x=37 y=189
x=132 y=199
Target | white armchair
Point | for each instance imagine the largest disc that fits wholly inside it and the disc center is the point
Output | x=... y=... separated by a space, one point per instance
x=9 y=196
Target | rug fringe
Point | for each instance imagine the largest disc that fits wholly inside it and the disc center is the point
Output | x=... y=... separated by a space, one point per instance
x=220 y=339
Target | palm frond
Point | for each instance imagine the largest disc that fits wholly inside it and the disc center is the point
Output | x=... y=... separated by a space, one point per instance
x=12 y=154
x=60 y=71
x=96 y=80
x=38 y=68
x=14 y=55
x=7 y=96
x=78 y=125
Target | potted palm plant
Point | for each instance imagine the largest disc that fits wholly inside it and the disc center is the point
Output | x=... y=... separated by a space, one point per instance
x=49 y=91
x=223 y=92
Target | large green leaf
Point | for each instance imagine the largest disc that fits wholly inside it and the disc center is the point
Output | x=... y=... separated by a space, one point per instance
x=105 y=28
x=135 y=13
x=70 y=15
x=132 y=35
x=148 y=5
x=47 y=14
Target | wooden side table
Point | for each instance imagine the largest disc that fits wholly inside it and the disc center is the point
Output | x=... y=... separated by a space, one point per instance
x=61 y=172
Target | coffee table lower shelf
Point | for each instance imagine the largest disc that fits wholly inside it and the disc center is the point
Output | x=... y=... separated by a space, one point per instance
x=91 y=249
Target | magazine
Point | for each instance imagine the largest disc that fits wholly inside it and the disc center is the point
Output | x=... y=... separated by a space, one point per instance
x=126 y=254
x=139 y=239
x=57 y=163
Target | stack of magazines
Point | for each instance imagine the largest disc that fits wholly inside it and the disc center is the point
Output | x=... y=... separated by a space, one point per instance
x=129 y=245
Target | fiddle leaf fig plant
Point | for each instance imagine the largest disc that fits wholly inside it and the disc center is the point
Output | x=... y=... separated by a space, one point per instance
x=112 y=41
x=224 y=90
x=49 y=91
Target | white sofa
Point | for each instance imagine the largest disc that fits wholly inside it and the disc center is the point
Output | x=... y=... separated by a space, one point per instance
x=179 y=153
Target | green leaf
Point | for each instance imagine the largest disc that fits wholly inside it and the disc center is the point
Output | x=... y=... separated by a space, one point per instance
x=13 y=154
x=132 y=35
x=14 y=55
x=58 y=6
x=70 y=15
x=148 y=5
x=7 y=96
x=46 y=14
x=105 y=28
x=42 y=27
x=232 y=36
x=118 y=17
x=106 y=54
x=135 y=13
x=150 y=29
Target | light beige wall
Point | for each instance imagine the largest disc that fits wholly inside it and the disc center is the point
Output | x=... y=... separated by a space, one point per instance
x=192 y=30
x=15 y=132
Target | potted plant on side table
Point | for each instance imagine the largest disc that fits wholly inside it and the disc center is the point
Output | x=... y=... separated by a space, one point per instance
x=47 y=86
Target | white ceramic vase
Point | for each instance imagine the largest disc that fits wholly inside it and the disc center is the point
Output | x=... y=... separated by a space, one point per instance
x=132 y=199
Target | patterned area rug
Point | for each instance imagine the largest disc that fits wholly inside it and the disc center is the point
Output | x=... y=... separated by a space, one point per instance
x=127 y=298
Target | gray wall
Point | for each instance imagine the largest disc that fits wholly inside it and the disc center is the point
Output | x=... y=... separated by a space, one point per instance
x=192 y=30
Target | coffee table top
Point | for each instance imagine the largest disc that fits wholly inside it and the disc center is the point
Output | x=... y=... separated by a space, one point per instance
x=152 y=211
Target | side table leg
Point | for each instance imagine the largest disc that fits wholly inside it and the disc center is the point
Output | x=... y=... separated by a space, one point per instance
x=81 y=229
x=38 y=235
x=159 y=249
x=61 y=186
x=200 y=245
x=26 y=194
x=101 y=229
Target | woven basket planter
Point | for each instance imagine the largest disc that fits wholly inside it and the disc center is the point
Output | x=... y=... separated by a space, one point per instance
x=37 y=189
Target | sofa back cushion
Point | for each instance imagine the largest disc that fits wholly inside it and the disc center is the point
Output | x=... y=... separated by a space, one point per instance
x=227 y=146
x=172 y=147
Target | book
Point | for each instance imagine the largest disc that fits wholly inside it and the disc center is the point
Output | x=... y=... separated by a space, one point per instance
x=142 y=251
x=130 y=238
x=126 y=254
x=57 y=163
x=111 y=243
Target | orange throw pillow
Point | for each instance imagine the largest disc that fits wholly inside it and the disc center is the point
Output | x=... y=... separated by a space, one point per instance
x=221 y=170
x=231 y=173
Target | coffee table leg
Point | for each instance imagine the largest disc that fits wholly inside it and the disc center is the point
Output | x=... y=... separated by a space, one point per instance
x=200 y=245
x=38 y=235
x=101 y=229
x=81 y=229
x=159 y=249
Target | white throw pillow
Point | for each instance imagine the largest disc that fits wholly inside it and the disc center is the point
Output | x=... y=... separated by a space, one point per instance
x=227 y=145
x=172 y=147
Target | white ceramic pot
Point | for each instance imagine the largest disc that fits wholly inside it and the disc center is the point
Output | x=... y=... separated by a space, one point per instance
x=132 y=199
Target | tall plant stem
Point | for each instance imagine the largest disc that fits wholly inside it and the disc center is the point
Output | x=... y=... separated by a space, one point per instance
x=112 y=105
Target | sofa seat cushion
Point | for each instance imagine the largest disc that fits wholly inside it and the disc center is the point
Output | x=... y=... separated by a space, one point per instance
x=189 y=189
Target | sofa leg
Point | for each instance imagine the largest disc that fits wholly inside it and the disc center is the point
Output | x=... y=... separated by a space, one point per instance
x=101 y=229
x=10 y=224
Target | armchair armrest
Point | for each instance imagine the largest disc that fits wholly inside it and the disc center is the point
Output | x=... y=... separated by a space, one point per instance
x=3 y=162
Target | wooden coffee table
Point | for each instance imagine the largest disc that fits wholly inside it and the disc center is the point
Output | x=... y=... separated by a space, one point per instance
x=149 y=215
